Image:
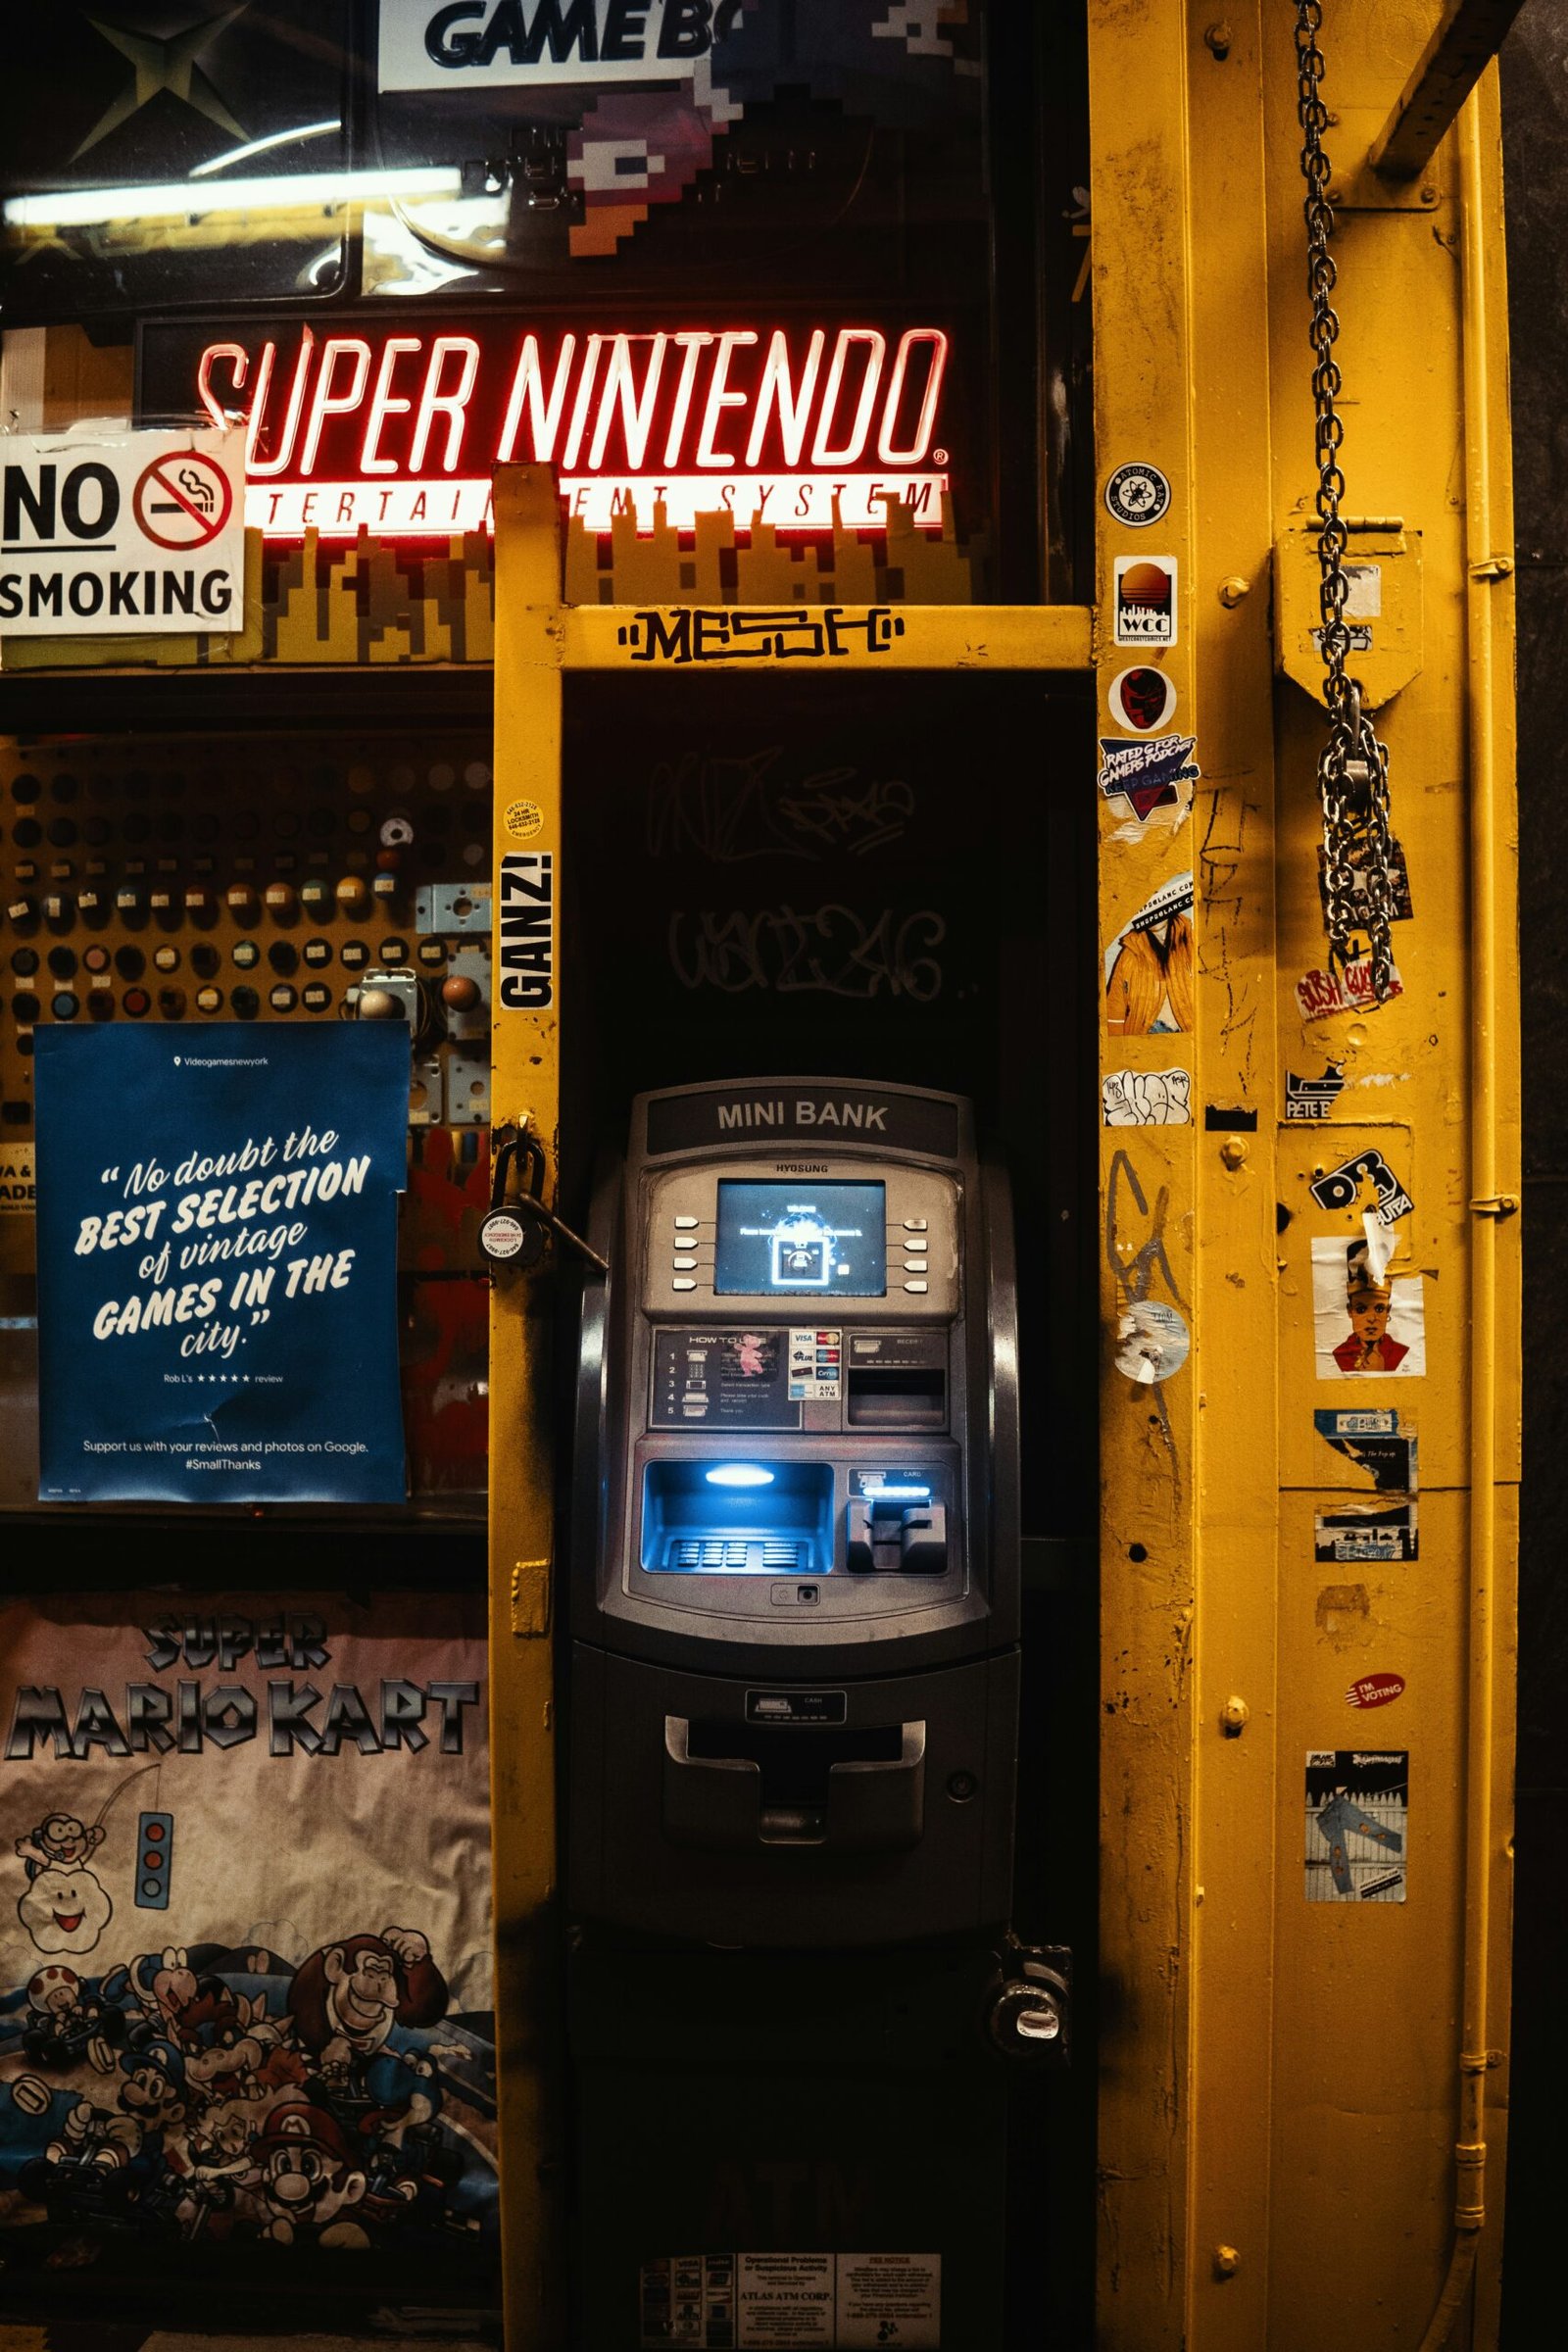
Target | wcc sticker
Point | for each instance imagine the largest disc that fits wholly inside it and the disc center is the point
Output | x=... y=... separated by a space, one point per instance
x=1147 y=1098
x=1148 y=967
x=1341 y=1188
x=1367 y=1324
x=1378 y=1521
x=1357 y=1825
x=1142 y=699
x=1150 y=779
x=527 y=925
x=1146 y=600
x=1136 y=495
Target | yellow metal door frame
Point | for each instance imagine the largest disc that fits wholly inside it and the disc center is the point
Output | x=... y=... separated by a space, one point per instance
x=1283 y=2086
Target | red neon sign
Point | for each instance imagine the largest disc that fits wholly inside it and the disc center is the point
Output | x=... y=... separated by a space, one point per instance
x=399 y=432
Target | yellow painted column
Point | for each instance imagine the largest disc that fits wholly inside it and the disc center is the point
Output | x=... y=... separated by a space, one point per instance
x=525 y=1095
x=1303 y=2102
x=1139 y=209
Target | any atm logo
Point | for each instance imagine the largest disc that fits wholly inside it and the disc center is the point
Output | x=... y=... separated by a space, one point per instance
x=541 y=42
x=527 y=916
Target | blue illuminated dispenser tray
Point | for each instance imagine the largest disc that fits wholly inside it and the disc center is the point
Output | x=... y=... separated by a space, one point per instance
x=753 y=1517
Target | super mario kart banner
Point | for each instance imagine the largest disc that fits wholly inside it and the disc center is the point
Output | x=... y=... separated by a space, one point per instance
x=245 y=1978
x=216 y=1264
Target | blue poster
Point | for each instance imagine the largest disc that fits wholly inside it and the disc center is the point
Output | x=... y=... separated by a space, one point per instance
x=216 y=1264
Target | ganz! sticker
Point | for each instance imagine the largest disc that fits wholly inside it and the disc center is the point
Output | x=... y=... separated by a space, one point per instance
x=527 y=928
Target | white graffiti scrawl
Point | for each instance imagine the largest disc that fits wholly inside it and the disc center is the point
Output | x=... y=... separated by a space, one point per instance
x=1147 y=1098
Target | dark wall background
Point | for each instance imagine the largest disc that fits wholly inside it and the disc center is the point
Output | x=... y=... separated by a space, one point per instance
x=1535 y=91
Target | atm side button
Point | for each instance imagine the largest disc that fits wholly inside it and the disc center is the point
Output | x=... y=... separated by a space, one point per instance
x=915 y=1224
x=685 y=1282
x=685 y=1266
x=908 y=1285
x=685 y=1224
x=917 y=1266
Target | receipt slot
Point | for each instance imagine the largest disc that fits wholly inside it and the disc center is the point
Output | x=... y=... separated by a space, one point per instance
x=795 y=1677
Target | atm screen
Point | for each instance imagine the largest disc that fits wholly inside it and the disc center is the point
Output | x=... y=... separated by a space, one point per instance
x=816 y=1240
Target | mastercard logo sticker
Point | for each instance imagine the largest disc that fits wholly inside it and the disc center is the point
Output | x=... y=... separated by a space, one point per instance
x=1142 y=699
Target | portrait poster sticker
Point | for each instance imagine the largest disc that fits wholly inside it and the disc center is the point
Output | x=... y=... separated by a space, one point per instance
x=233 y=1922
x=1148 y=967
x=1368 y=1322
x=217 y=1315
x=1378 y=1521
x=1357 y=1825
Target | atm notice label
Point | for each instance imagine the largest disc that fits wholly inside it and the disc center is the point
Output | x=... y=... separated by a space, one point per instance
x=777 y=2302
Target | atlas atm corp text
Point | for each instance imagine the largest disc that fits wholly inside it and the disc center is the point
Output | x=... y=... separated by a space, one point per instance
x=399 y=433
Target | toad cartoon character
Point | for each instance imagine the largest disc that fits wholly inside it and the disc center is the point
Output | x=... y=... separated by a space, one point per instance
x=346 y=1998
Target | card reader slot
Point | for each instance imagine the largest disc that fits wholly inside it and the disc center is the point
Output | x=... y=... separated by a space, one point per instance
x=897 y=1397
x=851 y=1789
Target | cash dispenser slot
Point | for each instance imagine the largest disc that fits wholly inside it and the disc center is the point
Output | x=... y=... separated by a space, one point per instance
x=851 y=1789
x=741 y=1517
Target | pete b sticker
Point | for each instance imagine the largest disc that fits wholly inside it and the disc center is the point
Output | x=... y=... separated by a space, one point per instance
x=1146 y=600
x=527 y=931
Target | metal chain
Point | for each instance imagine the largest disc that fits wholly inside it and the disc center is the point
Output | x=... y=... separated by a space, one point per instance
x=1352 y=769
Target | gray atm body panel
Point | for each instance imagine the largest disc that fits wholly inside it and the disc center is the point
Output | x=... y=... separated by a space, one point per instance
x=793 y=1683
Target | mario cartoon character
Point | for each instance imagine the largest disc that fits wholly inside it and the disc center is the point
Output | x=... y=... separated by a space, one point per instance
x=59 y=1843
x=346 y=1998
x=66 y=2018
x=307 y=2178
x=1368 y=1346
x=63 y=1910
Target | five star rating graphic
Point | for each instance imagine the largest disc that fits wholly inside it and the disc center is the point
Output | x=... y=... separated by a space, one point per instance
x=164 y=64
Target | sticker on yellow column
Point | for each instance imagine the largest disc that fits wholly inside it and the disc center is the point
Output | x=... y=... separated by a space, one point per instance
x=1358 y=1823
x=1367 y=1321
x=1148 y=967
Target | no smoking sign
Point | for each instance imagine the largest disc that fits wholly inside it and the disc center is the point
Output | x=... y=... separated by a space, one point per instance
x=183 y=500
x=122 y=534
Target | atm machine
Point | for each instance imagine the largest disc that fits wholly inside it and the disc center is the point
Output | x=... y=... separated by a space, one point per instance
x=794 y=1707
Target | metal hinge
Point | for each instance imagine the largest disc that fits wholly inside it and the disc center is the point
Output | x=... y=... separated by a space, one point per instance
x=1495 y=1204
